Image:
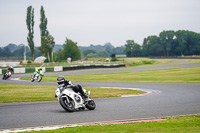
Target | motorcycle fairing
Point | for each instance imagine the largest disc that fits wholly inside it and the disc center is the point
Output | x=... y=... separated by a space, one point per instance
x=70 y=93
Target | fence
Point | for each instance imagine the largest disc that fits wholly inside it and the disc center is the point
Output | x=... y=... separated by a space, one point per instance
x=61 y=68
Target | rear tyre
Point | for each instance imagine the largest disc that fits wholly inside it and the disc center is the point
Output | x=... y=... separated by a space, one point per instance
x=67 y=105
x=90 y=105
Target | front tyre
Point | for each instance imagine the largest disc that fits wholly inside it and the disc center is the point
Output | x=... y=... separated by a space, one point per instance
x=39 y=78
x=32 y=80
x=67 y=103
x=90 y=105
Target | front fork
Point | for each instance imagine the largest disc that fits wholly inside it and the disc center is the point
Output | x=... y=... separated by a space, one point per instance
x=66 y=98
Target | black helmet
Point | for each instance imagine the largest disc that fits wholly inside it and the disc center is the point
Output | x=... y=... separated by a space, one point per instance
x=60 y=79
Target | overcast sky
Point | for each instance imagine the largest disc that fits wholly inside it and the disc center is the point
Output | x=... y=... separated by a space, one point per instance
x=98 y=21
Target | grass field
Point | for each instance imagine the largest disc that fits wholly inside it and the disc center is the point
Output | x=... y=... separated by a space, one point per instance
x=30 y=93
x=175 y=75
x=186 y=124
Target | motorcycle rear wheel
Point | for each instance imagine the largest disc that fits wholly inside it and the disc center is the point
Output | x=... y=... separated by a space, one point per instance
x=68 y=106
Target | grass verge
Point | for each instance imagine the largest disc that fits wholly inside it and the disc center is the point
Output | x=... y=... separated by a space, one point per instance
x=175 y=75
x=30 y=93
x=183 y=124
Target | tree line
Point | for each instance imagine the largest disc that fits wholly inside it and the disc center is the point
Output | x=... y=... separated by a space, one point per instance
x=61 y=52
x=105 y=50
x=18 y=51
x=168 y=43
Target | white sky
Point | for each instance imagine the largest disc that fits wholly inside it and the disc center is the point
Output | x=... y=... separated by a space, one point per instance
x=98 y=21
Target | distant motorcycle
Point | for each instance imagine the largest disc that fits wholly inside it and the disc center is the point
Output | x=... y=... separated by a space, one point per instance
x=37 y=76
x=6 y=75
x=71 y=101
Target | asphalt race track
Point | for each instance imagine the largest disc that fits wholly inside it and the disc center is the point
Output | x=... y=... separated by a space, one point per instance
x=174 y=99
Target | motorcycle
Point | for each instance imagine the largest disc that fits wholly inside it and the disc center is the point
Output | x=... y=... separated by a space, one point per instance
x=37 y=76
x=71 y=101
x=6 y=75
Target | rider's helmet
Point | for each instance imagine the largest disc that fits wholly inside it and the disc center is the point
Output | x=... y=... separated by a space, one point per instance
x=60 y=79
x=11 y=67
x=40 y=69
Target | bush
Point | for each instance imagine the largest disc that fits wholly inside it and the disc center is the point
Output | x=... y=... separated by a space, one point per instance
x=137 y=63
x=29 y=61
x=114 y=59
x=144 y=62
x=149 y=62
x=46 y=61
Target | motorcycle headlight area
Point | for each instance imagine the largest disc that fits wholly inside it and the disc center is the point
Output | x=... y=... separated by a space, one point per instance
x=58 y=91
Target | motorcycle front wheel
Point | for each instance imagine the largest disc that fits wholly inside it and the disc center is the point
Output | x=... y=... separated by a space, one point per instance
x=90 y=105
x=39 y=78
x=32 y=79
x=68 y=105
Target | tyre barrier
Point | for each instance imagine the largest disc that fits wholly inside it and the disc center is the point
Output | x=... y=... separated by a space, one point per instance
x=92 y=66
x=61 y=68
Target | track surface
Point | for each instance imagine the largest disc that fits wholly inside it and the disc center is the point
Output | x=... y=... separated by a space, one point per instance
x=174 y=99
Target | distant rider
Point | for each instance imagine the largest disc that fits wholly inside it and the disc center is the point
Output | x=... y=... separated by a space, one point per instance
x=10 y=70
x=68 y=83
x=38 y=71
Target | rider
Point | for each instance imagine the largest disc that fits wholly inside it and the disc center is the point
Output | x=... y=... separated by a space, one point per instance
x=10 y=69
x=76 y=88
x=39 y=71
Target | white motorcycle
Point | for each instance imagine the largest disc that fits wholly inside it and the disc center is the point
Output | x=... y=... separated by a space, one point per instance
x=71 y=101
x=36 y=76
x=6 y=75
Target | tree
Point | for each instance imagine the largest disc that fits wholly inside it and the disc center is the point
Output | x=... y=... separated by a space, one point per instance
x=119 y=50
x=43 y=32
x=171 y=43
x=132 y=49
x=151 y=46
x=88 y=51
x=49 y=46
x=30 y=25
x=103 y=54
x=43 y=24
x=19 y=52
x=47 y=40
x=180 y=42
x=59 y=56
x=167 y=40
x=71 y=50
x=6 y=52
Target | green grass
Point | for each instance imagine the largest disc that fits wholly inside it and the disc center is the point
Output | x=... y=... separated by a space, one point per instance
x=163 y=61
x=30 y=93
x=184 y=124
x=175 y=75
x=26 y=93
